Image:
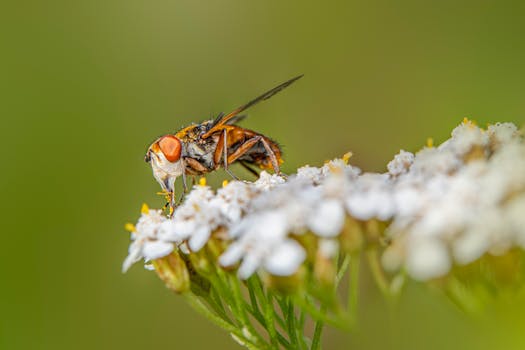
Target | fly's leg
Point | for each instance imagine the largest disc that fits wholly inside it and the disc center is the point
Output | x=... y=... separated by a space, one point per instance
x=172 y=205
x=184 y=184
x=168 y=196
x=249 y=144
x=197 y=168
x=225 y=155
x=221 y=151
x=273 y=158
x=243 y=149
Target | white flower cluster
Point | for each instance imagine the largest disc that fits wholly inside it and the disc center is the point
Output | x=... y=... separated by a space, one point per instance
x=443 y=205
x=459 y=201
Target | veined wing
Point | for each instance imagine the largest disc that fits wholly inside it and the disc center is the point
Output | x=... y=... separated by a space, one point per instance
x=224 y=119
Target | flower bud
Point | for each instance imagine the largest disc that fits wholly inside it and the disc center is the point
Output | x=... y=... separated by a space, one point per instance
x=324 y=271
x=201 y=262
x=351 y=237
x=173 y=271
x=286 y=284
x=217 y=243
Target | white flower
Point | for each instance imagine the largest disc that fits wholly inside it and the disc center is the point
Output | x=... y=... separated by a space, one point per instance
x=465 y=137
x=444 y=202
x=233 y=199
x=409 y=200
x=371 y=197
x=432 y=161
x=315 y=175
x=339 y=165
x=145 y=239
x=262 y=242
x=502 y=133
x=401 y=163
x=196 y=218
x=267 y=181
x=295 y=201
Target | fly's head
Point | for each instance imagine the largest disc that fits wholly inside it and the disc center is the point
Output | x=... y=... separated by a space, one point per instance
x=164 y=155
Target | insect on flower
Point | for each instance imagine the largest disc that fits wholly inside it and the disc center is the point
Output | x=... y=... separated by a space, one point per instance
x=202 y=148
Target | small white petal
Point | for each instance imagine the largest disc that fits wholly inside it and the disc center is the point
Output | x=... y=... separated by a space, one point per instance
x=232 y=255
x=285 y=259
x=249 y=265
x=362 y=206
x=182 y=229
x=470 y=246
x=427 y=259
x=156 y=249
x=134 y=255
x=327 y=219
x=408 y=201
x=271 y=225
x=199 y=238
x=167 y=231
x=385 y=205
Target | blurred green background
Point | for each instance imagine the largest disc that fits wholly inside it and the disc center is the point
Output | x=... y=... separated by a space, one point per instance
x=85 y=86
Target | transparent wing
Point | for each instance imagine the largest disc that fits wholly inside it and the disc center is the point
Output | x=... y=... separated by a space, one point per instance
x=223 y=119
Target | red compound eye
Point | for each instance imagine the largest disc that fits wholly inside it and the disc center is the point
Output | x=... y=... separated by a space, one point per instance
x=170 y=147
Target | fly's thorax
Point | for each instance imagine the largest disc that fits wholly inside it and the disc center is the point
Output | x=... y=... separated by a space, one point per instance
x=201 y=151
x=193 y=132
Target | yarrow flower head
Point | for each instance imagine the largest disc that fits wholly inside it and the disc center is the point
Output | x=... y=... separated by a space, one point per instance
x=444 y=206
x=448 y=197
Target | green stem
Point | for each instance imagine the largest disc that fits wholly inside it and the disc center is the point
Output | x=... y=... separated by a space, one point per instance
x=198 y=306
x=267 y=305
x=216 y=305
x=319 y=315
x=462 y=297
x=241 y=311
x=353 y=287
x=256 y=311
x=302 y=338
x=253 y=298
x=269 y=314
x=292 y=330
x=316 y=340
x=221 y=283
x=342 y=270
x=260 y=318
x=377 y=272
